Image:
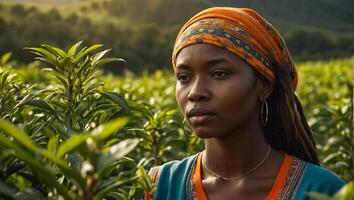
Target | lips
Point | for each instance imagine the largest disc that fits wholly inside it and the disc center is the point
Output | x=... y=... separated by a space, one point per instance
x=198 y=116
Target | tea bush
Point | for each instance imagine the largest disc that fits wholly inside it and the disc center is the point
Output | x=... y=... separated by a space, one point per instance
x=70 y=132
x=63 y=144
x=326 y=92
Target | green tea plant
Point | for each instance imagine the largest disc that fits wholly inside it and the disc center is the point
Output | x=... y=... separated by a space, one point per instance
x=12 y=89
x=76 y=169
x=65 y=146
x=326 y=91
x=108 y=129
x=76 y=94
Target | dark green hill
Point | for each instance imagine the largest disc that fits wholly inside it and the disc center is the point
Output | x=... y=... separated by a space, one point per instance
x=323 y=15
x=327 y=15
x=143 y=31
x=44 y=1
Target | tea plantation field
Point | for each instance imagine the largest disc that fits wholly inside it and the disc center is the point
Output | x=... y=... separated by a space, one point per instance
x=68 y=131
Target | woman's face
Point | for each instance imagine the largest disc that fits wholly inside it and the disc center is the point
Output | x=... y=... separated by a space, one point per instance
x=216 y=90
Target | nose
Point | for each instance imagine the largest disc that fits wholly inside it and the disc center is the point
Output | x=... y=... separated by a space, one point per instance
x=199 y=91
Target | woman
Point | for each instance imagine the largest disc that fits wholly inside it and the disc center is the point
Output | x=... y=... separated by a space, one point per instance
x=235 y=86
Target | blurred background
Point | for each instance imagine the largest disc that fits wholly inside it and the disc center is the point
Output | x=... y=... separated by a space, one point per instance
x=51 y=104
x=143 y=31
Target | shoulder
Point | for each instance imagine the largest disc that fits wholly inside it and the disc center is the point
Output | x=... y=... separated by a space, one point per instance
x=174 y=168
x=319 y=179
x=171 y=178
x=322 y=177
x=177 y=164
x=177 y=167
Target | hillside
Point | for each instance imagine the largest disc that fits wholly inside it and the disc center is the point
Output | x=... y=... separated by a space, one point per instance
x=326 y=15
x=143 y=31
x=44 y=1
x=323 y=15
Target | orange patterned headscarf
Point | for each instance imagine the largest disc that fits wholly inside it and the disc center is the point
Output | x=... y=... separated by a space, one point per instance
x=244 y=33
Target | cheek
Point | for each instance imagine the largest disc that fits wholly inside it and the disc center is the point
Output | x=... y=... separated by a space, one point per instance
x=240 y=99
x=181 y=97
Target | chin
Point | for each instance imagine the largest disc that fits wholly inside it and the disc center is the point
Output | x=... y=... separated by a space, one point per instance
x=204 y=133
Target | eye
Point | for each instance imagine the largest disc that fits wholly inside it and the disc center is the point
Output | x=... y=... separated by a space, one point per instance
x=183 y=77
x=220 y=74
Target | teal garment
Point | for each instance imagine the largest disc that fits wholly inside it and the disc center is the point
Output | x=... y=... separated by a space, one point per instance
x=174 y=180
x=318 y=179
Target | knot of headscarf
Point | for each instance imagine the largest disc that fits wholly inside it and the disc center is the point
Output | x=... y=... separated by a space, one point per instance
x=244 y=33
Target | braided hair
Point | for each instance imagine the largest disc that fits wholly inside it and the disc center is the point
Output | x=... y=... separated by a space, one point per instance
x=287 y=128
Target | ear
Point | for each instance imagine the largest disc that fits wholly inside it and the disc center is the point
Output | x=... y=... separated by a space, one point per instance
x=265 y=88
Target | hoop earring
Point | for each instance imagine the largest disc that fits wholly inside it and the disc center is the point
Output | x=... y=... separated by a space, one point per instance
x=264 y=115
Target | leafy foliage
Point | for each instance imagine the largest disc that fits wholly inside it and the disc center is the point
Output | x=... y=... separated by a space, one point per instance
x=63 y=145
x=326 y=92
x=68 y=131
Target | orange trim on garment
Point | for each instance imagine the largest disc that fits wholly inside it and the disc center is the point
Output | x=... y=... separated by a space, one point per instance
x=278 y=184
x=197 y=180
x=156 y=175
x=280 y=180
x=147 y=196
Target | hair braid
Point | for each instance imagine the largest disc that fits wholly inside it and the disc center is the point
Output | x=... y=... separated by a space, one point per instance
x=288 y=129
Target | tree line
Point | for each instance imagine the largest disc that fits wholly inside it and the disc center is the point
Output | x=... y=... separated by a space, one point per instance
x=144 y=37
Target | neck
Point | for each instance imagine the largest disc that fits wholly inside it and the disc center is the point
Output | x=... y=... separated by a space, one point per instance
x=236 y=153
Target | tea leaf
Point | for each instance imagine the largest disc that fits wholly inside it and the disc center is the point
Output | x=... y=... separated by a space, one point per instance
x=71 y=144
x=103 y=131
x=73 y=49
